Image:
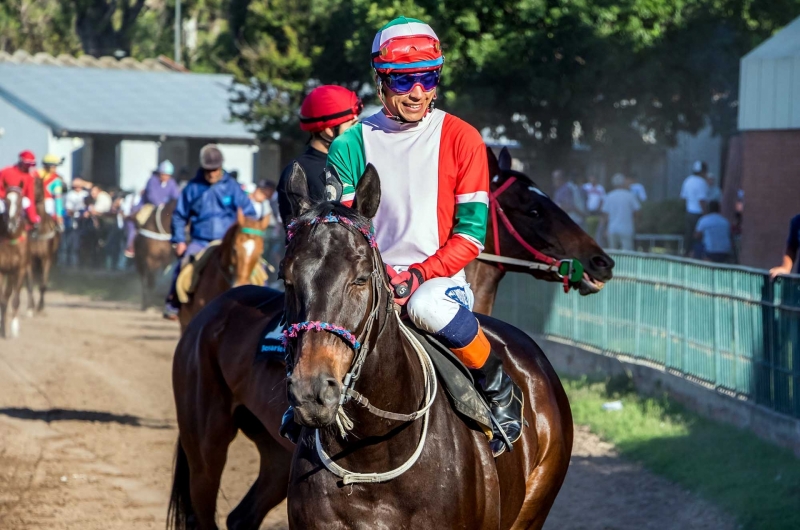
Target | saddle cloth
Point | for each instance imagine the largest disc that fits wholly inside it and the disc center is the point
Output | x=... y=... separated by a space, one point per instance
x=144 y=214
x=455 y=378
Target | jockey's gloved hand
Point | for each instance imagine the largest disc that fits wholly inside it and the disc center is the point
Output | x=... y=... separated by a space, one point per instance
x=404 y=283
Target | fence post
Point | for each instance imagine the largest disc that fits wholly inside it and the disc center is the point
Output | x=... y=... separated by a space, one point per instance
x=715 y=323
x=638 y=301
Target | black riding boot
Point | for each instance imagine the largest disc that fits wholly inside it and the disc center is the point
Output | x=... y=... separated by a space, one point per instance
x=505 y=399
x=289 y=429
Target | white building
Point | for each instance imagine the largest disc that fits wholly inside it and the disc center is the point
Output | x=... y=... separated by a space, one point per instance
x=114 y=125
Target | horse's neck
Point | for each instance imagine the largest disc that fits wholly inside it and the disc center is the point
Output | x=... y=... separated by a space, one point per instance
x=391 y=379
x=485 y=280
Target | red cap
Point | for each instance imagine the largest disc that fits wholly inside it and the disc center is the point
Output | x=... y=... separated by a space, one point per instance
x=27 y=157
x=328 y=106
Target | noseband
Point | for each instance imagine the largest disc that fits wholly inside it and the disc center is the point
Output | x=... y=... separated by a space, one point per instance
x=361 y=347
x=568 y=270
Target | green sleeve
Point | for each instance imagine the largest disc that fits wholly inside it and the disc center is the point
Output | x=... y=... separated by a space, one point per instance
x=346 y=156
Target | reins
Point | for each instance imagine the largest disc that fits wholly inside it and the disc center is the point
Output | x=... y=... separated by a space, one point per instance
x=568 y=270
x=361 y=346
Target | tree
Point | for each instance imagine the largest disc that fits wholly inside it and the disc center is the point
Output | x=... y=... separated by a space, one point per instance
x=106 y=27
x=36 y=26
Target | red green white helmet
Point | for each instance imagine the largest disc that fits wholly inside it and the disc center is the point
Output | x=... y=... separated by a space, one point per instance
x=406 y=44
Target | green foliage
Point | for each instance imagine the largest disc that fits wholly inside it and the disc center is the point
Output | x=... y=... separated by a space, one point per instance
x=36 y=26
x=662 y=217
x=747 y=477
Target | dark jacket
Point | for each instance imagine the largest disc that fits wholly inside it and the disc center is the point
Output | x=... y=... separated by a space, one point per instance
x=313 y=163
x=210 y=210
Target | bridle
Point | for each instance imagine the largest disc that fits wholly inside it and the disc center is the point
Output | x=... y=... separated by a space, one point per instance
x=568 y=270
x=360 y=344
x=7 y=219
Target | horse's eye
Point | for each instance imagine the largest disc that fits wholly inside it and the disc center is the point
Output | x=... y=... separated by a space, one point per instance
x=361 y=280
x=534 y=212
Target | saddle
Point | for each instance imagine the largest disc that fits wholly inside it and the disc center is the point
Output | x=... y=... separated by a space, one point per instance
x=144 y=214
x=192 y=270
x=453 y=375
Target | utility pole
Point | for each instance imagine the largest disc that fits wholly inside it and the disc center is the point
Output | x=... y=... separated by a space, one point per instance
x=178 y=27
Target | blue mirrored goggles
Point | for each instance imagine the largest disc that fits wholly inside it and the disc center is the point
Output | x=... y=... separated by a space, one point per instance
x=401 y=83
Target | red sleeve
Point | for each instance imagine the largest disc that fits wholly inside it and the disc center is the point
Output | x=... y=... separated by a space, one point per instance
x=456 y=254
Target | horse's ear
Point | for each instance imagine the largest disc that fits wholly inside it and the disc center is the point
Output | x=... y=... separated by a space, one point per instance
x=494 y=168
x=297 y=191
x=239 y=217
x=505 y=159
x=368 y=193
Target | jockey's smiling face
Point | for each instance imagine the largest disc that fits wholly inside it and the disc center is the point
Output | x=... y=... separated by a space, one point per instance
x=411 y=106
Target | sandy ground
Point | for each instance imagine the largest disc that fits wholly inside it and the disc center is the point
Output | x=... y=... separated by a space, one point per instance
x=87 y=434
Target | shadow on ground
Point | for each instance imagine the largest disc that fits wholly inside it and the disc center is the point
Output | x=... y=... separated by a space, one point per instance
x=50 y=415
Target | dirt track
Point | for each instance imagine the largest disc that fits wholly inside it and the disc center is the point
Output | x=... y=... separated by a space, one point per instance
x=87 y=434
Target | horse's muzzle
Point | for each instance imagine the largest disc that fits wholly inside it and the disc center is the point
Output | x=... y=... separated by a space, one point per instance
x=314 y=399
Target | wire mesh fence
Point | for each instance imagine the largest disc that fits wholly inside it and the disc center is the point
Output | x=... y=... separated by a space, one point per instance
x=727 y=327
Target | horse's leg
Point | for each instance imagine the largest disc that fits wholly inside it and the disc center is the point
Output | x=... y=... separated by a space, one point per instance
x=46 y=263
x=29 y=281
x=5 y=294
x=16 y=282
x=270 y=487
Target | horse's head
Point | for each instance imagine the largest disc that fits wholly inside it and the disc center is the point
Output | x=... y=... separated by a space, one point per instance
x=13 y=213
x=334 y=283
x=543 y=225
x=246 y=244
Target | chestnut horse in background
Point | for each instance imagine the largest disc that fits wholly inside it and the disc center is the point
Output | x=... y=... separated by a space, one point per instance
x=43 y=248
x=14 y=258
x=153 y=248
x=231 y=265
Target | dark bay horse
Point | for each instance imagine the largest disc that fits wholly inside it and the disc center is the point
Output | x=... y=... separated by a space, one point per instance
x=43 y=248
x=153 y=249
x=14 y=259
x=526 y=227
x=221 y=384
x=231 y=264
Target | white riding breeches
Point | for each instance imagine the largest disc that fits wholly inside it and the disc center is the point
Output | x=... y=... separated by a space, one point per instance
x=50 y=207
x=443 y=306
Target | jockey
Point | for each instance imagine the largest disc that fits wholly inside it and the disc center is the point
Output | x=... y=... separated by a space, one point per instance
x=434 y=203
x=208 y=204
x=160 y=189
x=327 y=112
x=53 y=186
x=21 y=176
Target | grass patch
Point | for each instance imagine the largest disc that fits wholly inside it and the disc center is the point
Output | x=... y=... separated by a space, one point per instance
x=751 y=479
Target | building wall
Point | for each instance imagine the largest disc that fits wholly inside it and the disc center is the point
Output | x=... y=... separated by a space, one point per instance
x=69 y=149
x=104 y=159
x=239 y=158
x=269 y=162
x=770 y=171
x=20 y=132
x=137 y=160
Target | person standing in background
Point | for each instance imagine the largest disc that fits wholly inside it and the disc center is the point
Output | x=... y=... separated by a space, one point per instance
x=790 y=254
x=637 y=189
x=620 y=208
x=715 y=233
x=568 y=197
x=595 y=221
x=695 y=192
x=714 y=191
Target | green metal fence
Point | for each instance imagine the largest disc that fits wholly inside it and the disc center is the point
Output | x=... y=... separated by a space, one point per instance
x=728 y=327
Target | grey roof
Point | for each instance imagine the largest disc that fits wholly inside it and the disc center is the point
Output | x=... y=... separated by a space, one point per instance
x=785 y=43
x=76 y=101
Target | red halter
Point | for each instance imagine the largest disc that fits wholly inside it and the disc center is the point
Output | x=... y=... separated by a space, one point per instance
x=496 y=209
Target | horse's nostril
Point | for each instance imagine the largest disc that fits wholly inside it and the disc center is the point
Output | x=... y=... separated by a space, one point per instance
x=328 y=394
x=601 y=262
